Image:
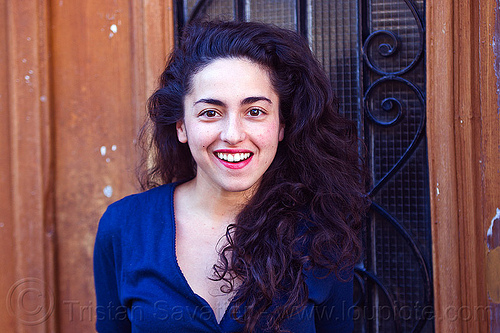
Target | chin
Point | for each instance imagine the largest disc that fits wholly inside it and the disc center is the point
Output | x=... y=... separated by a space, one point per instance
x=240 y=187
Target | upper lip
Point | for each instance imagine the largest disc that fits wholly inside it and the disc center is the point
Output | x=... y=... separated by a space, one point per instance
x=233 y=151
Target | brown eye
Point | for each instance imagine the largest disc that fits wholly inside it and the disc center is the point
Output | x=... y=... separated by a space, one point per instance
x=210 y=113
x=255 y=112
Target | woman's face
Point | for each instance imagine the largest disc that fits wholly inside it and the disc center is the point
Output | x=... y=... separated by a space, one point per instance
x=231 y=124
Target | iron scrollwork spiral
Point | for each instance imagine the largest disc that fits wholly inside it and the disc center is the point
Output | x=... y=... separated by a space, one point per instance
x=388 y=104
x=388 y=49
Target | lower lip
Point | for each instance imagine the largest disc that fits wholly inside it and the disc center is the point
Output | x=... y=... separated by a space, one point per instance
x=238 y=165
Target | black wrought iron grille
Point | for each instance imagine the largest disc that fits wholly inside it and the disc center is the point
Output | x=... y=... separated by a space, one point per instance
x=374 y=53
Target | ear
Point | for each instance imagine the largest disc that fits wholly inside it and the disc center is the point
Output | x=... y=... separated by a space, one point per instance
x=181 y=131
x=281 y=134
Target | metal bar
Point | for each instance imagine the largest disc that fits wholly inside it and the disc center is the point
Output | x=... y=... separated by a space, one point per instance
x=301 y=13
x=372 y=277
x=239 y=8
x=179 y=19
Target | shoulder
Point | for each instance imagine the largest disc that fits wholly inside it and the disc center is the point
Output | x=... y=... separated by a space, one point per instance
x=147 y=198
x=136 y=206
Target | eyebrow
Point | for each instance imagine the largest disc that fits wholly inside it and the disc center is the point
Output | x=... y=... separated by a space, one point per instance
x=247 y=100
x=210 y=101
x=250 y=100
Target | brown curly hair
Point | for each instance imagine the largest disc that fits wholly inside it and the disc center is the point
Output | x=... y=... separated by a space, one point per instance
x=308 y=208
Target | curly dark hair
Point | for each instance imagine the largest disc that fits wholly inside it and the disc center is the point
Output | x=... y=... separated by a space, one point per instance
x=308 y=209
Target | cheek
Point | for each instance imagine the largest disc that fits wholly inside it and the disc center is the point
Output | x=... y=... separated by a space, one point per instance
x=270 y=136
x=268 y=142
x=200 y=138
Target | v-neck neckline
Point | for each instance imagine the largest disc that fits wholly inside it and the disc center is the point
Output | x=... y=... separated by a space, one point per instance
x=179 y=270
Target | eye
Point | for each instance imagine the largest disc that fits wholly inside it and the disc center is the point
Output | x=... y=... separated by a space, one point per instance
x=209 y=113
x=255 y=112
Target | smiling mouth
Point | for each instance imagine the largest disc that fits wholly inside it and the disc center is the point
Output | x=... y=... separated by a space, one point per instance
x=233 y=158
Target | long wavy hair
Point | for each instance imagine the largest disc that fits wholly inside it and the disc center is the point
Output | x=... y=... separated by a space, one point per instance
x=308 y=208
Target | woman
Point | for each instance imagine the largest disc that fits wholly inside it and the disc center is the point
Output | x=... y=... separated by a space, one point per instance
x=252 y=214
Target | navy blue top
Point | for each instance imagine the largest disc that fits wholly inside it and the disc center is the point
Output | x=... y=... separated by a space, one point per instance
x=140 y=287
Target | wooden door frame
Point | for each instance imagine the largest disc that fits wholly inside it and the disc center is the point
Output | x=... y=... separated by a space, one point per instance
x=463 y=133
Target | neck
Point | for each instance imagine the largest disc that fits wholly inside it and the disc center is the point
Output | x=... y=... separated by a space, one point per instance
x=221 y=206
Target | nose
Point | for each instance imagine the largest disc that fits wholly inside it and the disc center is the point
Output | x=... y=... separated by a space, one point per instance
x=233 y=130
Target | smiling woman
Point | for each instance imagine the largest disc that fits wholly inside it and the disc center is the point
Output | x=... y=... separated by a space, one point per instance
x=254 y=195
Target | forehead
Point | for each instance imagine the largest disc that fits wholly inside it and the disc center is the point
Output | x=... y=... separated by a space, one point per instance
x=232 y=77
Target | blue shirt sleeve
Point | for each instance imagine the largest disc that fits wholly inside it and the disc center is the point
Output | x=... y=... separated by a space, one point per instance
x=111 y=315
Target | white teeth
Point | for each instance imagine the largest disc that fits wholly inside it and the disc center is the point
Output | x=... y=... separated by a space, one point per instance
x=238 y=157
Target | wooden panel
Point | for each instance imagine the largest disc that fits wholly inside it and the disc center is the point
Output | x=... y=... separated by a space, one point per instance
x=154 y=35
x=93 y=107
x=442 y=166
x=7 y=242
x=463 y=136
x=104 y=57
x=26 y=206
x=489 y=48
x=67 y=152
x=468 y=149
